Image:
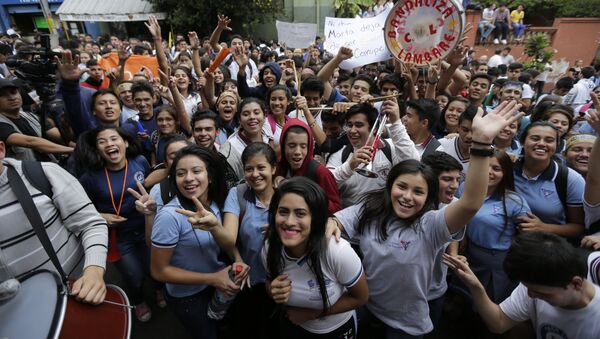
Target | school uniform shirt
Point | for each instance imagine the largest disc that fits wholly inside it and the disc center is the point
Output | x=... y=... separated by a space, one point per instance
x=232 y=150
x=341 y=270
x=592 y=213
x=554 y=322
x=352 y=185
x=486 y=228
x=96 y=186
x=301 y=116
x=541 y=196
x=191 y=103
x=272 y=129
x=450 y=146
x=194 y=250
x=127 y=113
x=250 y=237
x=402 y=263
x=439 y=285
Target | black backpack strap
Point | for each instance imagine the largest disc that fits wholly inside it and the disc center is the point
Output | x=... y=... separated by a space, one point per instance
x=387 y=150
x=311 y=170
x=36 y=176
x=431 y=147
x=33 y=215
x=165 y=191
x=241 y=191
x=346 y=153
x=561 y=181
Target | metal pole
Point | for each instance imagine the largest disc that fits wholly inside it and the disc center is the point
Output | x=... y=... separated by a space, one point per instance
x=48 y=15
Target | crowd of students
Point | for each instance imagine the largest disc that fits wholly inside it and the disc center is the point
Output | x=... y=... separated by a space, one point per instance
x=243 y=181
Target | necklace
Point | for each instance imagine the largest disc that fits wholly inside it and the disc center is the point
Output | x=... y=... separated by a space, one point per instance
x=112 y=198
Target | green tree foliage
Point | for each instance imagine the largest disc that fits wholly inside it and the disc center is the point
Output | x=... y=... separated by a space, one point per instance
x=350 y=8
x=201 y=15
x=537 y=47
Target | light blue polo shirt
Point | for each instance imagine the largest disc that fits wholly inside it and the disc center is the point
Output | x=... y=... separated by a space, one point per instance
x=194 y=250
x=250 y=237
x=541 y=196
x=486 y=228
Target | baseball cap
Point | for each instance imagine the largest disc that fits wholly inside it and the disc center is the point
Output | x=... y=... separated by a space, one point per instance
x=5 y=83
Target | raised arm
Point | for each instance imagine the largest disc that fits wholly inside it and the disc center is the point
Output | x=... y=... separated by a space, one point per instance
x=195 y=45
x=222 y=25
x=592 y=193
x=492 y=314
x=155 y=31
x=485 y=128
x=182 y=115
x=326 y=72
x=454 y=59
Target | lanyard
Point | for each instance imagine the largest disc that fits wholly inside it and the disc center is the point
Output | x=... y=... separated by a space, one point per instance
x=112 y=198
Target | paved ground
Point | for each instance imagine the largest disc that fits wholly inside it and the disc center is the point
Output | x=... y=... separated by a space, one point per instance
x=163 y=323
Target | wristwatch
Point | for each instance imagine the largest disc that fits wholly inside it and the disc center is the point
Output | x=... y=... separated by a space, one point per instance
x=486 y=151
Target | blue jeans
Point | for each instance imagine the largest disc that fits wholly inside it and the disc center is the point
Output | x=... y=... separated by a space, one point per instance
x=192 y=313
x=485 y=29
x=134 y=266
x=519 y=30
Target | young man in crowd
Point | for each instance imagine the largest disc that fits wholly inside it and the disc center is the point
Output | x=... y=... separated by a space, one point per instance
x=458 y=146
x=553 y=292
x=479 y=86
x=420 y=118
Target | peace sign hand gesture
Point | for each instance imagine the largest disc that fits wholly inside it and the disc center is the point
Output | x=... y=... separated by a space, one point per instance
x=144 y=203
x=201 y=219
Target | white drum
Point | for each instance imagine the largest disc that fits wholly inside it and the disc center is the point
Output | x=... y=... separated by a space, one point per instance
x=422 y=31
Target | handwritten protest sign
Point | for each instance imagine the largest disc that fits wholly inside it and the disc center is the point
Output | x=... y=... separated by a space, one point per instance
x=423 y=31
x=363 y=35
x=133 y=65
x=296 y=34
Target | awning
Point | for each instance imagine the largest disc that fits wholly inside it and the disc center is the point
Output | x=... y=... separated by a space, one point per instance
x=107 y=10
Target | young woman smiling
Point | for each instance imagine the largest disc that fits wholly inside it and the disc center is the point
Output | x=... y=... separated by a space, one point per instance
x=114 y=164
x=317 y=281
x=535 y=176
x=278 y=99
x=186 y=240
x=252 y=118
x=400 y=230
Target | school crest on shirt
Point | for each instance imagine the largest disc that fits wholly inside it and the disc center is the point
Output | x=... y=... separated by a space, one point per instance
x=547 y=193
x=139 y=176
x=549 y=331
x=313 y=285
x=497 y=208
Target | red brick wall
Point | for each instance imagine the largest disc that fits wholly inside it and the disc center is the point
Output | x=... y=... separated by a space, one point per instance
x=574 y=38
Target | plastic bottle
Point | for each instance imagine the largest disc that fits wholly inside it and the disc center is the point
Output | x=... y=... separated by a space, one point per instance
x=217 y=308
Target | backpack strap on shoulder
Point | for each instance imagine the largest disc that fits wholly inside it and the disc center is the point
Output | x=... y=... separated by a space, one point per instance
x=36 y=176
x=561 y=182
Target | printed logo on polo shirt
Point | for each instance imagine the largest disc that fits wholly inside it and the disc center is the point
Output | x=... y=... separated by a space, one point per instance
x=547 y=193
x=548 y=331
x=404 y=244
x=497 y=208
x=313 y=286
x=139 y=176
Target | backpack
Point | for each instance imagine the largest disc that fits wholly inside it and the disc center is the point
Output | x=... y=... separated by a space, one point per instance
x=561 y=181
x=387 y=151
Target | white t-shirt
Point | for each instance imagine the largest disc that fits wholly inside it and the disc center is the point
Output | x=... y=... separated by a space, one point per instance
x=552 y=322
x=488 y=14
x=494 y=61
x=527 y=92
x=341 y=269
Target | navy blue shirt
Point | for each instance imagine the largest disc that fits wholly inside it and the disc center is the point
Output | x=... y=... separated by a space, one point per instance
x=96 y=186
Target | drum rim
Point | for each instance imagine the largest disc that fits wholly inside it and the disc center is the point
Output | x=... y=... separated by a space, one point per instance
x=61 y=301
x=126 y=302
x=462 y=22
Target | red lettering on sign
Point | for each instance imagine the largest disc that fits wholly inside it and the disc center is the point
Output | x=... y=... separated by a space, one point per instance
x=448 y=12
x=427 y=56
x=448 y=37
x=392 y=34
x=418 y=3
x=444 y=46
x=418 y=58
x=409 y=6
x=400 y=13
x=436 y=52
x=440 y=7
x=399 y=56
x=407 y=57
x=432 y=29
x=407 y=37
x=395 y=23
